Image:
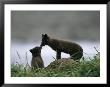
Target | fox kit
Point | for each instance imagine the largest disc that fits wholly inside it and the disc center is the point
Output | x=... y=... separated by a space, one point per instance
x=37 y=61
x=75 y=50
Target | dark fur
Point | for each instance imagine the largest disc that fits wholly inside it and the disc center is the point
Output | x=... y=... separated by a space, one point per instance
x=37 y=61
x=59 y=46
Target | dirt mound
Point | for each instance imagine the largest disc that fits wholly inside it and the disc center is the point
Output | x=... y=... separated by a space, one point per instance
x=61 y=64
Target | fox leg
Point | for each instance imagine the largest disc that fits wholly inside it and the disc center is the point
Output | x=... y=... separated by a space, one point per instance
x=58 y=56
x=76 y=55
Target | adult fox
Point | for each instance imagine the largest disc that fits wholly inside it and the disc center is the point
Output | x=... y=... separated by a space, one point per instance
x=75 y=50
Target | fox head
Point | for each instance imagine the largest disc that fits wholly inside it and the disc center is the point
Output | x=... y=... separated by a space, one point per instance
x=35 y=51
x=45 y=39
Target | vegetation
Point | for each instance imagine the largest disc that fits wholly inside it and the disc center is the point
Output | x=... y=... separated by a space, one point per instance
x=84 y=68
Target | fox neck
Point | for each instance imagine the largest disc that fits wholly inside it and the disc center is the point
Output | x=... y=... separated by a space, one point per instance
x=52 y=44
x=35 y=55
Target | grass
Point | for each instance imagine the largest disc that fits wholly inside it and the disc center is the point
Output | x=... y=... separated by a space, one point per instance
x=83 y=68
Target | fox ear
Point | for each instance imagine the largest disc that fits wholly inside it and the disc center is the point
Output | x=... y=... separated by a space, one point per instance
x=42 y=34
x=46 y=35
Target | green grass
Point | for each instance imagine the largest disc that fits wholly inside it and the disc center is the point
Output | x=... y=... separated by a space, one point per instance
x=83 y=68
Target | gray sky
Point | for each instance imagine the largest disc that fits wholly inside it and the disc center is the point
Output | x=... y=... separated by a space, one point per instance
x=80 y=25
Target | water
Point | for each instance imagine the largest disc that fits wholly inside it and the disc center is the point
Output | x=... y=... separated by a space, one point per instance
x=20 y=52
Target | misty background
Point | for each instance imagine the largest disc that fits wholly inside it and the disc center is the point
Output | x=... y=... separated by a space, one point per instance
x=82 y=27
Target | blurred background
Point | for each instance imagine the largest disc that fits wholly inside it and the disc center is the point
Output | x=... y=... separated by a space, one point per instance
x=82 y=27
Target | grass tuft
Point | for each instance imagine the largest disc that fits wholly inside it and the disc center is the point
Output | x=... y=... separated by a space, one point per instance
x=65 y=68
